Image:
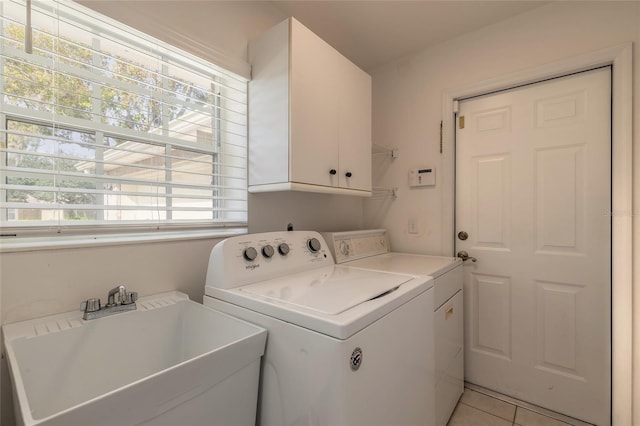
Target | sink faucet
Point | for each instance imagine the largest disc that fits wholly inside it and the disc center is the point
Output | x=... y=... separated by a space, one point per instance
x=126 y=302
x=120 y=291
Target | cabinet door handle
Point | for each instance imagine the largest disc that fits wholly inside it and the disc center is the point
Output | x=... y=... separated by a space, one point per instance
x=348 y=174
x=332 y=172
x=448 y=312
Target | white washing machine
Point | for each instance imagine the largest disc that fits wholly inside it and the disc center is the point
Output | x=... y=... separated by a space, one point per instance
x=345 y=346
x=370 y=249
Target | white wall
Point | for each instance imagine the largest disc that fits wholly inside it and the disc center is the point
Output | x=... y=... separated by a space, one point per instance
x=407 y=109
x=39 y=283
x=320 y=212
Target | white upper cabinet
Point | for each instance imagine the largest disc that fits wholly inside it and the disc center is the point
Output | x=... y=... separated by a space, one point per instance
x=309 y=116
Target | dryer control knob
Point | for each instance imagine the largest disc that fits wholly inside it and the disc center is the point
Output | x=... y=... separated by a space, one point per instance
x=344 y=248
x=314 y=245
x=356 y=359
x=250 y=253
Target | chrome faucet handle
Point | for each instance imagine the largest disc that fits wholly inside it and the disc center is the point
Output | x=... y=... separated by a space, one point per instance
x=111 y=297
x=90 y=305
x=130 y=298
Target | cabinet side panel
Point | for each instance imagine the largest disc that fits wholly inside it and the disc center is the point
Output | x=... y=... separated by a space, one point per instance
x=269 y=107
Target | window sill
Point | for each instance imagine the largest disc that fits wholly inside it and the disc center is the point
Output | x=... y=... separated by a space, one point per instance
x=22 y=244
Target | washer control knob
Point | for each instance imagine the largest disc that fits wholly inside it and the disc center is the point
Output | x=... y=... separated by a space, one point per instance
x=250 y=253
x=268 y=251
x=283 y=249
x=314 y=245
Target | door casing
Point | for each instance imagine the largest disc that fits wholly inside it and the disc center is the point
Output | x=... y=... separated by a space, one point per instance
x=621 y=58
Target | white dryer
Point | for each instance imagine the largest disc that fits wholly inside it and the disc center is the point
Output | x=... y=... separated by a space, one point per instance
x=345 y=346
x=370 y=249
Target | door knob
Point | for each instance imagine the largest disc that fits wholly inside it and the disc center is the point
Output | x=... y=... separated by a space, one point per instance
x=465 y=256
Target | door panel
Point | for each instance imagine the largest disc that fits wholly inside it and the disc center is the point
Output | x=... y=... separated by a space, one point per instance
x=533 y=189
x=491 y=314
x=557 y=336
x=560 y=184
x=491 y=189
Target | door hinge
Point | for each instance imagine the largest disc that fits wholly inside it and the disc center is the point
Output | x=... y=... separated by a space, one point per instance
x=461 y=122
x=440 y=136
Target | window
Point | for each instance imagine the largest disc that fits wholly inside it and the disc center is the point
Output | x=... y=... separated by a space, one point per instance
x=104 y=127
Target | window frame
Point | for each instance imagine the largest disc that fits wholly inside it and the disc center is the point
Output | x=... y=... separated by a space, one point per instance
x=34 y=236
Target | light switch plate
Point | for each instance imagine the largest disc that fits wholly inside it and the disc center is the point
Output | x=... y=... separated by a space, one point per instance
x=413 y=225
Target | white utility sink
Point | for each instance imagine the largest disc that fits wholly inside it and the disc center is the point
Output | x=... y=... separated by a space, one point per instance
x=170 y=362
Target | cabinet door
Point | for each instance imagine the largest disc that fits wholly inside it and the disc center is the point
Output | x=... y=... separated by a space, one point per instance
x=449 y=357
x=313 y=112
x=353 y=100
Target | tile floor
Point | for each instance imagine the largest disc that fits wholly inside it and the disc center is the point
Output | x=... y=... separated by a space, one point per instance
x=478 y=409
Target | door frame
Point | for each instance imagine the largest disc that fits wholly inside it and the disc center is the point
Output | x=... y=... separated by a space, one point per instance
x=621 y=59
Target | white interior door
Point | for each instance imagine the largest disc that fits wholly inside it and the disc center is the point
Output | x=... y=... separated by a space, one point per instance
x=533 y=193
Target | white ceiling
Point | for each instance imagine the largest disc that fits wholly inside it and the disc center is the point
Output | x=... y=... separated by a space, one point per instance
x=372 y=33
x=369 y=32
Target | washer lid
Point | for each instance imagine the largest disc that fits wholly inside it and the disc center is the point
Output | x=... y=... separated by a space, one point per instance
x=330 y=290
x=407 y=263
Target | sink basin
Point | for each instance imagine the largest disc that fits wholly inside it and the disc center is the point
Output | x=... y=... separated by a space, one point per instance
x=172 y=361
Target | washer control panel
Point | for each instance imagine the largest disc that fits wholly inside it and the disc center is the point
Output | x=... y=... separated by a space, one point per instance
x=252 y=258
x=346 y=246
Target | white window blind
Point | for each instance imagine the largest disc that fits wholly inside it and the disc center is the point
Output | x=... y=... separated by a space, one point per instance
x=103 y=126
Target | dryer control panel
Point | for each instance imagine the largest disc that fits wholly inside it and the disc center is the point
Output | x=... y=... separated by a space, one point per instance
x=251 y=258
x=353 y=245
